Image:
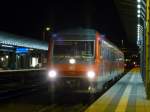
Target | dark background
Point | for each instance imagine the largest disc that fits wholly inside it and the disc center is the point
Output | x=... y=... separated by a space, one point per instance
x=28 y=18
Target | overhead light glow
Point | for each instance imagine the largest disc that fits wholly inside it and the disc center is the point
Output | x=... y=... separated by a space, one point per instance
x=2 y=59
x=138 y=6
x=138 y=11
x=138 y=25
x=138 y=1
x=47 y=28
x=7 y=46
x=7 y=56
x=138 y=16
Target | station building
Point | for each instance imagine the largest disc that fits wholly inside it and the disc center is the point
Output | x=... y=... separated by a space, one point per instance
x=17 y=52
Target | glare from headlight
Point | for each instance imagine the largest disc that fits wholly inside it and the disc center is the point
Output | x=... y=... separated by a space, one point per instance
x=91 y=74
x=72 y=61
x=52 y=74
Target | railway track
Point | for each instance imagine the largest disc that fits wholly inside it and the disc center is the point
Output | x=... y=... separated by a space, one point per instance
x=38 y=99
x=11 y=92
x=42 y=101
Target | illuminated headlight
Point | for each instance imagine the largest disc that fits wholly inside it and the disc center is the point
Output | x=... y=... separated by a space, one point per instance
x=52 y=74
x=72 y=61
x=90 y=74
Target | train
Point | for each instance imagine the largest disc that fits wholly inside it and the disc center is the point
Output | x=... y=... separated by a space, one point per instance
x=82 y=60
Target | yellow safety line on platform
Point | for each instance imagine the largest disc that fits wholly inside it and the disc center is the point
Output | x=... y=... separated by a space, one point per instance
x=104 y=100
x=121 y=107
x=138 y=103
x=141 y=97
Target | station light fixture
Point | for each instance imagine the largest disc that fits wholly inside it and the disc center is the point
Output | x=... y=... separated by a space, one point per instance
x=7 y=56
x=138 y=11
x=138 y=25
x=141 y=17
x=7 y=46
x=138 y=15
x=2 y=59
x=138 y=6
x=47 y=28
x=138 y=1
x=139 y=33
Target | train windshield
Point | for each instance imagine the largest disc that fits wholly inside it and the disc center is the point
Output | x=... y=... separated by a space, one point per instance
x=74 y=49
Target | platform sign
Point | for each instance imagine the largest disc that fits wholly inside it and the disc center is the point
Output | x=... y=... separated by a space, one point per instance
x=21 y=50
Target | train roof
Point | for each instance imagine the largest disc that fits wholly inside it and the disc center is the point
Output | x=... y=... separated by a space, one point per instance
x=112 y=46
x=76 y=34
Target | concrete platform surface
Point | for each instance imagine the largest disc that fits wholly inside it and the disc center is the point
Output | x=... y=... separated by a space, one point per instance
x=127 y=95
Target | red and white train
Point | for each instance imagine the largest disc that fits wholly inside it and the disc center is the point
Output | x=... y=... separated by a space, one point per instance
x=82 y=60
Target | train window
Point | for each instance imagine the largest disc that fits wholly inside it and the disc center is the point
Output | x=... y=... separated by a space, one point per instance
x=73 y=48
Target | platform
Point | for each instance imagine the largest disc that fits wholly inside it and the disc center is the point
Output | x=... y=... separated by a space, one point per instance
x=127 y=95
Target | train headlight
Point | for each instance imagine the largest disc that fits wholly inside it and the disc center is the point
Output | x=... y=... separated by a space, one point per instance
x=52 y=74
x=90 y=74
x=72 y=61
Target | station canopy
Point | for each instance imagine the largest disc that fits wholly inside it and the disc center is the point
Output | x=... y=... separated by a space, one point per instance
x=20 y=41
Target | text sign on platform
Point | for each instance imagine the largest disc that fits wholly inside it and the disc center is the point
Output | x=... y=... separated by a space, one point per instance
x=22 y=50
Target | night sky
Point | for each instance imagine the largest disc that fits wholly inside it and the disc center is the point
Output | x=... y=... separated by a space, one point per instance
x=28 y=18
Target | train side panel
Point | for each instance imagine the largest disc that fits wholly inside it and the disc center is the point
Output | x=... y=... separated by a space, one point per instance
x=112 y=62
